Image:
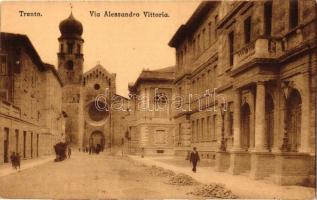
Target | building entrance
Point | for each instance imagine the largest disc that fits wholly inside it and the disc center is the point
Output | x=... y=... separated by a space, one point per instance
x=97 y=140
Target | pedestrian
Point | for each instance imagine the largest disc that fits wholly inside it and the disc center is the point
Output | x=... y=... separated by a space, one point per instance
x=18 y=161
x=142 y=152
x=194 y=158
x=69 y=151
x=13 y=160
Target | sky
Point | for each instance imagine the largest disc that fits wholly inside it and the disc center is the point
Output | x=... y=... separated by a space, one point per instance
x=123 y=46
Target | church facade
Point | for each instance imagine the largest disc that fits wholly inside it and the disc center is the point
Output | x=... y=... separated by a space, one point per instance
x=41 y=106
x=87 y=98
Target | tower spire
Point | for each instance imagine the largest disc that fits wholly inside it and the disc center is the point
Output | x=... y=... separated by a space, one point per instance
x=71 y=8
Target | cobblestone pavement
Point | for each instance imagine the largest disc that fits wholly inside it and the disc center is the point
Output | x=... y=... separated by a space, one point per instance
x=6 y=169
x=88 y=176
x=241 y=185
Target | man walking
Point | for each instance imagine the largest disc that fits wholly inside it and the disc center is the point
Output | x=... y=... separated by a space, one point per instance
x=13 y=160
x=18 y=161
x=69 y=152
x=194 y=158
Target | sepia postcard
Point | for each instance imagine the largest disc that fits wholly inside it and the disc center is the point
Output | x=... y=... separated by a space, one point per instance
x=158 y=99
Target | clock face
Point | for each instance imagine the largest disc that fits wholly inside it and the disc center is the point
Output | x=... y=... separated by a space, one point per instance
x=98 y=111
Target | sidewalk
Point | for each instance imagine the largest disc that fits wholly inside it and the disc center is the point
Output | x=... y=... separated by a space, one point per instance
x=6 y=169
x=240 y=185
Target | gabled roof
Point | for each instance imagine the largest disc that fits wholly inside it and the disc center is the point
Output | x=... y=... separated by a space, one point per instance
x=99 y=68
x=125 y=98
x=13 y=40
x=170 y=69
x=164 y=74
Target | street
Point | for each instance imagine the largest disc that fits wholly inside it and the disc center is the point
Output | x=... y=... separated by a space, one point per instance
x=89 y=176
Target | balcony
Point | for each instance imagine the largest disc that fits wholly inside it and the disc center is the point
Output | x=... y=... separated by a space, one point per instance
x=9 y=109
x=260 y=48
x=268 y=47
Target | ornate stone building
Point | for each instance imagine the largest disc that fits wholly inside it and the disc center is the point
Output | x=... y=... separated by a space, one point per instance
x=88 y=123
x=31 y=116
x=259 y=60
x=151 y=124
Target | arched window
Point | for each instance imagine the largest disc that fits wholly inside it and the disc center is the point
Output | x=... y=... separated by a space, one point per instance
x=269 y=121
x=70 y=65
x=293 y=114
x=62 y=48
x=160 y=98
x=245 y=126
x=70 y=46
x=78 y=49
x=293 y=13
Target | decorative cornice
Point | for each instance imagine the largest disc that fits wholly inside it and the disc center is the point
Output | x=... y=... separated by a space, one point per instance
x=230 y=14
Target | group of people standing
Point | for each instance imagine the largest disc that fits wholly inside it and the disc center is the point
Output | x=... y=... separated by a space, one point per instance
x=15 y=160
x=93 y=149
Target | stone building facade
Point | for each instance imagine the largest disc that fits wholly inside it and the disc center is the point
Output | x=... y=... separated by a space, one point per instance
x=102 y=122
x=31 y=117
x=89 y=122
x=151 y=123
x=258 y=61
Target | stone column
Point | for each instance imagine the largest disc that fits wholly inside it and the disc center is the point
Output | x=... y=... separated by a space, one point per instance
x=236 y=121
x=260 y=137
x=306 y=115
x=2 y=140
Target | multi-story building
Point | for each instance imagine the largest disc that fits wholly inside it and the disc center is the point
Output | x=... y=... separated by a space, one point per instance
x=258 y=59
x=151 y=123
x=31 y=117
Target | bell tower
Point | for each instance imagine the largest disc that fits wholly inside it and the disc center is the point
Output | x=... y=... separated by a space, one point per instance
x=70 y=55
x=70 y=68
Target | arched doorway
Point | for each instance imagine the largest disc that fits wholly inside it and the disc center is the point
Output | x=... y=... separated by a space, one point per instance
x=97 y=140
x=269 y=121
x=294 y=113
x=245 y=126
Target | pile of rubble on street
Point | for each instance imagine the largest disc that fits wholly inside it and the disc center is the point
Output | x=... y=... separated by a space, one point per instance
x=181 y=179
x=213 y=191
x=159 y=171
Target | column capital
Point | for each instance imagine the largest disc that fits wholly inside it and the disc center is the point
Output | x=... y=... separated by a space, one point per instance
x=260 y=82
x=237 y=91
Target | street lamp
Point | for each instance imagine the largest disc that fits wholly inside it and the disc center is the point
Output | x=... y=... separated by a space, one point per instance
x=222 y=146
